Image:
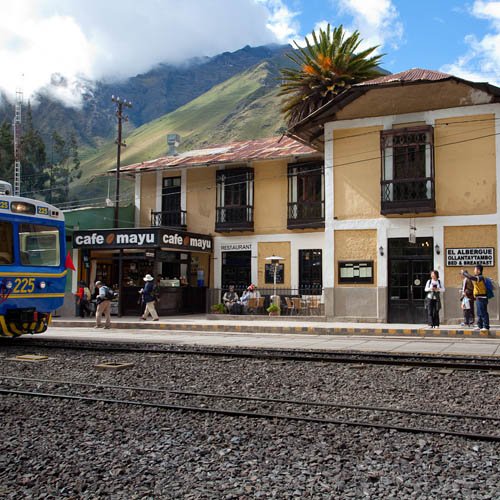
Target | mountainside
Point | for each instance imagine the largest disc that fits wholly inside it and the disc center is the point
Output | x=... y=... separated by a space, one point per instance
x=245 y=106
x=153 y=94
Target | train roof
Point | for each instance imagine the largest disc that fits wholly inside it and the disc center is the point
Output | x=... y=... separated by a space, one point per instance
x=43 y=209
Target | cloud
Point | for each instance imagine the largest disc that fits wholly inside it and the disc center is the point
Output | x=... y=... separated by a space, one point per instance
x=70 y=40
x=282 y=21
x=377 y=21
x=482 y=60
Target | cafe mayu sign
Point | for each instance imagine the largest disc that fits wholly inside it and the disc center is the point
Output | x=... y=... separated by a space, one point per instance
x=141 y=238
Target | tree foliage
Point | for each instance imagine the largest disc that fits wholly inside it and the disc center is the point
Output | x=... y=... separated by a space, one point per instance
x=6 y=152
x=63 y=168
x=327 y=66
x=33 y=159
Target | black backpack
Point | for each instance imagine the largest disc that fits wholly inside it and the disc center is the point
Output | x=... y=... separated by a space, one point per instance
x=110 y=295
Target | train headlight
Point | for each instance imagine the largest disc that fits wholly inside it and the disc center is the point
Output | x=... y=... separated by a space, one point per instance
x=42 y=284
x=9 y=285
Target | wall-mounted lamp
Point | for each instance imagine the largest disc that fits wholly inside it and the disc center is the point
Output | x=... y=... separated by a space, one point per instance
x=437 y=249
x=381 y=250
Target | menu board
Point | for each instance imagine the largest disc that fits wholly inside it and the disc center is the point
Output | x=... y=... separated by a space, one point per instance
x=280 y=274
x=356 y=271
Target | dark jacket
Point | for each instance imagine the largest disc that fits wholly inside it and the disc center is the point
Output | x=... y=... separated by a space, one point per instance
x=147 y=293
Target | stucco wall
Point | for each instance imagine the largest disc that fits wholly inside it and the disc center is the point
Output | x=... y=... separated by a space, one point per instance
x=357 y=173
x=200 y=200
x=270 y=197
x=281 y=249
x=356 y=245
x=465 y=165
x=148 y=198
x=465 y=237
x=413 y=98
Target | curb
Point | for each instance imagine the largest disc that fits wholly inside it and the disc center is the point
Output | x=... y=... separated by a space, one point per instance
x=209 y=326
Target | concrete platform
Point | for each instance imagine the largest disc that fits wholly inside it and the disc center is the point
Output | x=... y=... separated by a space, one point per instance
x=262 y=324
x=355 y=342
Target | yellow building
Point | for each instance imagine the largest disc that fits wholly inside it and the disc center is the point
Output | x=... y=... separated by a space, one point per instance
x=254 y=199
x=412 y=163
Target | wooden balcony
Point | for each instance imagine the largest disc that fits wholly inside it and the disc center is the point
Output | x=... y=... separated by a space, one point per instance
x=306 y=214
x=174 y=219
x=238 y=218
x=408 y=196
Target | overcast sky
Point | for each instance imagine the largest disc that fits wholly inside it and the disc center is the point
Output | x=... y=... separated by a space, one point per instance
x=41 y=40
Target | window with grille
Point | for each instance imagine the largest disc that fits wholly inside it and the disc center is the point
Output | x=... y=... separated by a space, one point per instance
x=407 y=184
x=234 y=211
x=306 y=195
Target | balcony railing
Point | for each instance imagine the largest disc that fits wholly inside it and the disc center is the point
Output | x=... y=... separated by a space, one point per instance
x=238 y=218
x=306 y=214
x=403 y=196
x=175 y=219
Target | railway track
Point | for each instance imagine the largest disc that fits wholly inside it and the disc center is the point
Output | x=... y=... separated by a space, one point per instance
x=415 y=360
x=358 y=415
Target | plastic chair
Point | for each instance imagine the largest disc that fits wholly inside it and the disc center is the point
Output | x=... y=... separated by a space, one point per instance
x=253 y=304
x=297 y=304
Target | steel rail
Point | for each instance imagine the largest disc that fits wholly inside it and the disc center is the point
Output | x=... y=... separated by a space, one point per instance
x=257 y=415
x=384 y=359
x=268 y=416
x=298 y=402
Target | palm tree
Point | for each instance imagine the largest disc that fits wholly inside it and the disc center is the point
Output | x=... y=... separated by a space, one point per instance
x=325 y=68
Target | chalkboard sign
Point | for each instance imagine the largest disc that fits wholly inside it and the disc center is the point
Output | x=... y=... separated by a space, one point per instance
x=356 y=271
x=280 y=274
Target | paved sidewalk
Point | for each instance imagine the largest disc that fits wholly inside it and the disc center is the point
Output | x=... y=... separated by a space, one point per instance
x=299 y=341
x=259 y=325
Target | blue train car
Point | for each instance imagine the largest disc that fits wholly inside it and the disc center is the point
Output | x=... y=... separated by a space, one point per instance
x=32 y=263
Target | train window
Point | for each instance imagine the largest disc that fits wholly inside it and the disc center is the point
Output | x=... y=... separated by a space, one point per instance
x=7 y=247
x=39 y=245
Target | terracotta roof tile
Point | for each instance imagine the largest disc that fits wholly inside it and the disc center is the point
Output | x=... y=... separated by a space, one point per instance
x=242 y=151
x=410 y=75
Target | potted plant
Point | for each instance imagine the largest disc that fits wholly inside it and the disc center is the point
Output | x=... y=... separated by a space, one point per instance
x=273 y=310
x=219 y=308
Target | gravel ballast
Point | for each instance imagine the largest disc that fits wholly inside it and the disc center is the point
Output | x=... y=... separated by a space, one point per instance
x=70 y=449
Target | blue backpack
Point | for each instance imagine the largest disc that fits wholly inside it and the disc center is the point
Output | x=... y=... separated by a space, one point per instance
x=489 y=288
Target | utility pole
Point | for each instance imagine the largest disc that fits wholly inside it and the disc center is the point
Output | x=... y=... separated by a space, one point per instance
x=120 y=104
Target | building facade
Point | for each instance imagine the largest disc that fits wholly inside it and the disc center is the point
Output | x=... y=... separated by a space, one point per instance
x=412 y=163
x=256 y=199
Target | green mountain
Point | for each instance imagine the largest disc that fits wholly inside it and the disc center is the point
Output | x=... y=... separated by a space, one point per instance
x=245 y=106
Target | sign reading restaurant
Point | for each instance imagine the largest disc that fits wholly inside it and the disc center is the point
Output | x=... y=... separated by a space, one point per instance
x=141 y=238
x=464 y=257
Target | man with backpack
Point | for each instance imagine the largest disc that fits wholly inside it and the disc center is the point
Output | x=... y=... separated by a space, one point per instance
x=103 y=301
x=483 y=290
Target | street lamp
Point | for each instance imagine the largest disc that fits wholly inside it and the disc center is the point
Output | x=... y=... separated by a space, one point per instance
x=120 y=104
x=275 y=262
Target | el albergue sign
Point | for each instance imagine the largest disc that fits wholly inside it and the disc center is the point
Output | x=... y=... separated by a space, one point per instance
x=464 y=257
x=141 y=238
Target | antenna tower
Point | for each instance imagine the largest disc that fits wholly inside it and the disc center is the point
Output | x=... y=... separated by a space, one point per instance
x=17 y=143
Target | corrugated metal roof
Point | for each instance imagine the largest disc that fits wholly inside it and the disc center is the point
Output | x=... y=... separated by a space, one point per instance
x=410 y=75
x=243 y=151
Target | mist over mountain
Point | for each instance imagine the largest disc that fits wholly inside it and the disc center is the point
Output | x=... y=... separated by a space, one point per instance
x=153 y=94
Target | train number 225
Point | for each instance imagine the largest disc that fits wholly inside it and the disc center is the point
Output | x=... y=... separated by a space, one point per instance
x=24 y=285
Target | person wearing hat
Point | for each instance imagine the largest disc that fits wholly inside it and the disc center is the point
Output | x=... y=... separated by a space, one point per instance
x=103 y=306
x=250 y=293
x=148 y=296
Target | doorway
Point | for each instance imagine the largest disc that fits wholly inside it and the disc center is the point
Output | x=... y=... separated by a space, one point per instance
x=409 y=268
x=236 y=270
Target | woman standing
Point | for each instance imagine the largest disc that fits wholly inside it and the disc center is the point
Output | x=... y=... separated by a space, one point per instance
x=433 y=288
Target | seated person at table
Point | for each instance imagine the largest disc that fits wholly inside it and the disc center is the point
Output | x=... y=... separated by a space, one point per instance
x=230 y=298
x=250 y=293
